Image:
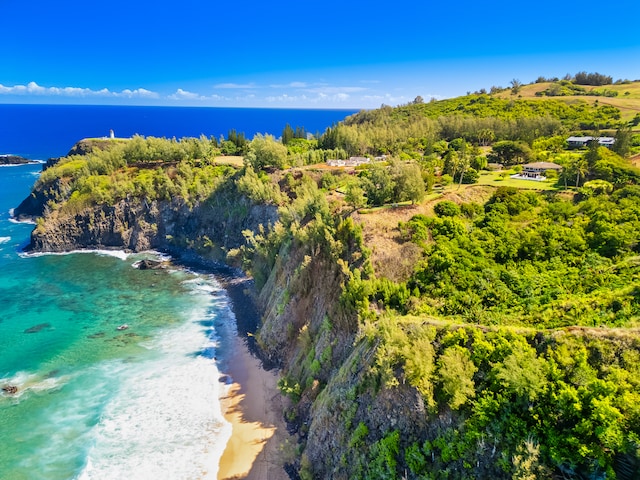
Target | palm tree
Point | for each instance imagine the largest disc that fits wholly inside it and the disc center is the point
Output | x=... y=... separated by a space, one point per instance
x=580 y=167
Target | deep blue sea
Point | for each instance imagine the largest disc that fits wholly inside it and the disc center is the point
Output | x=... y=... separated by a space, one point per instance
x=43 y=131
x=95 y=402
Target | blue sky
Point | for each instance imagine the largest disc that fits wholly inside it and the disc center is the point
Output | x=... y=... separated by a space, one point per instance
x=330 y=54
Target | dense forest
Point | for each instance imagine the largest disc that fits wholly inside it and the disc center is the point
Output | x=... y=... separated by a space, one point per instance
x=508 y=344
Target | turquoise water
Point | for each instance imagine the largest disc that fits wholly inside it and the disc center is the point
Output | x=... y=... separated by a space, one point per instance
x=95 y=401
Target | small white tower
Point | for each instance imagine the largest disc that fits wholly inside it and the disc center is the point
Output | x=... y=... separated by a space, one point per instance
x=111 y=135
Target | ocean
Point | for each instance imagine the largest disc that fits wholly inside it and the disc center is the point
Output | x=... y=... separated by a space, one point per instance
x=43 y=131
x=93 y=401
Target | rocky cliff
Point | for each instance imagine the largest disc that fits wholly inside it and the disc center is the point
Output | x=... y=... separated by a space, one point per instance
x=137 y=225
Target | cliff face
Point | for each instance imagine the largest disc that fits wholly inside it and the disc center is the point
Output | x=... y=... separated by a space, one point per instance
x=137 y=225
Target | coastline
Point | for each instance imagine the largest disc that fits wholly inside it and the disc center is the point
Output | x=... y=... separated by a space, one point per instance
x=254 y=406
x=250 y=399
x=249 y=396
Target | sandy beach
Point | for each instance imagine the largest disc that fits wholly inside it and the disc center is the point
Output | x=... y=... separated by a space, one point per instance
x=251 y=402
x=254 y=406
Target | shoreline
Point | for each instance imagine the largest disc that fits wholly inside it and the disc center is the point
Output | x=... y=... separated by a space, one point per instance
x=249 y=396
x=254 y=407
x=250 y=399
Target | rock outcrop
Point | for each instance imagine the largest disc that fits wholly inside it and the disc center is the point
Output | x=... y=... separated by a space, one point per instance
x=10 y=389
x=137 y=225
x=147 y=264
x=14 y=160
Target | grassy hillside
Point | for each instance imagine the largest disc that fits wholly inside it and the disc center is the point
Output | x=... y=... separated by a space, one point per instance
x=627 y=100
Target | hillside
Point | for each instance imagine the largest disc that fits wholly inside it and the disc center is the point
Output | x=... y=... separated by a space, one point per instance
x=432 y=317
x=627 y=99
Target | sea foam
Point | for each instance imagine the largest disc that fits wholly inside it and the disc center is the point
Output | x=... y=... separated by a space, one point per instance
x=27 y=382
x=121 y=254
x=165 y=420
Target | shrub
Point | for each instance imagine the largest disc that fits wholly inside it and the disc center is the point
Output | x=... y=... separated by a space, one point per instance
x=447 y=208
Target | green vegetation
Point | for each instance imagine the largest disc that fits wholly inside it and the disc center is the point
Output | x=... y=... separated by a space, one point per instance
x=469 y=325
x=529 y=260
x=561 y=404
x=149 y=168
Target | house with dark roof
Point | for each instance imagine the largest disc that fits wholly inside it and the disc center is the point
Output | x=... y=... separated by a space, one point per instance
x=581 y=142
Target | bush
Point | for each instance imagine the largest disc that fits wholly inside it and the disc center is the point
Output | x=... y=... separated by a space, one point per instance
x=471 y=175
x=446 y=208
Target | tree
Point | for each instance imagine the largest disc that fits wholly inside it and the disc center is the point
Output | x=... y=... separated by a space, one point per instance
x=228 y=147
x=409 y=184
x=266 y=151
x=239 y=140
x=510 y=153
x=577 y=168
x=516 y=85
x=446 y=208
x=300 y=132
x=593 y=153
x=287 y=134
x=478 y=161
x=470 y=175
x=485 y=136
x=596 y=79
x=622 y=145
x=451 y=163
x=378 y=184
x=523 y=372
x=456 y=371
x=598 y=187
x=355 y=195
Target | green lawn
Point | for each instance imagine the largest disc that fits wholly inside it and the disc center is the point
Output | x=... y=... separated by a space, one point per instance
x=494 y=179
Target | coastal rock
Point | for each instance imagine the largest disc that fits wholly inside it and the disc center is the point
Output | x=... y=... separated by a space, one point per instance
x=14 y=160
x=34 y=205
x=147 y=264
x=10 y=389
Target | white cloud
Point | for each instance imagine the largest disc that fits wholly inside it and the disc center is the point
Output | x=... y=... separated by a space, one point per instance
x=181 y=94
x=284 y=98
x=328 y=90
x=291 y=85
x=185 y=95
x=323 y=98
x=245 y=98
x=290 y=94
x=32 y=88
x=235 y=85
x=138 y=92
